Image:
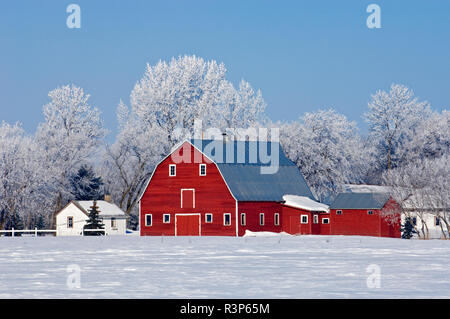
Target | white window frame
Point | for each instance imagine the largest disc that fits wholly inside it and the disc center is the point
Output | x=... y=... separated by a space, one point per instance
x=315 y=219
x=301 y=219
x=263 y=219
x=68 y=222
x=193 y=196
x=170 y=170
x=370 y=212
x=206 y=218
x=276 y=219
x=151 y=220
x=243 y=221
x=224 y=218
x=327 y=219
x=200 y=169
x=164 y=219
x=339 y=212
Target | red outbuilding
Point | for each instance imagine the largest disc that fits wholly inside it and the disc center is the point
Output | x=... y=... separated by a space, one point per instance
x=365 y=214
x=221 y=188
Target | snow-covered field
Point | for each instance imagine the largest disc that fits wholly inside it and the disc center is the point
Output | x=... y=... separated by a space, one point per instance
x=221 y=267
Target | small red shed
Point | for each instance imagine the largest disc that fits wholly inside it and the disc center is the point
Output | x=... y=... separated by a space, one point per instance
x=365 y=214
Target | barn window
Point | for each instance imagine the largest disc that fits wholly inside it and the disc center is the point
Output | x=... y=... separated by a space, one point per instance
x=261 y=219
x=437 y=221
x=370 y=212
x=339 y=212
x=70 y=222
x=227 y=219
x=315 y=219
x=208 y=218
x=325 y=221
x=113 y=222
x=202 y=169
x=166 y=218
x=172 y=170
x=243 y=219
x=148 y=219
x=304 y=219
x=277 y=219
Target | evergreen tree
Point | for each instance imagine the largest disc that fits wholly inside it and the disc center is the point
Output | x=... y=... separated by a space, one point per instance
x=86 y=185
x=14 y=221
x=94 y=221
x=408 y=229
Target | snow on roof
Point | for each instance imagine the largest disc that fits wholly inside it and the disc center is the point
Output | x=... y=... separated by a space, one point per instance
x=105 y=208
x=305 y=203
x=365 y=188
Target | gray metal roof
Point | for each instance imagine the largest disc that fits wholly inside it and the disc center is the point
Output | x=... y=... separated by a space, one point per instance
x=240 y=163
x=360 y=201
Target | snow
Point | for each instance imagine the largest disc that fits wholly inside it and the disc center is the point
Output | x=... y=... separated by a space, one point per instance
x=105 y=208
x=305 y=203
x=223 y=267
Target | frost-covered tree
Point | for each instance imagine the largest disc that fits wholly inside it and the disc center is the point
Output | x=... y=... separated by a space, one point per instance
x=19 y=170
x=422 y=187
x=163 y=107
x=326 y=148
x=68 y=138
x=393 y=118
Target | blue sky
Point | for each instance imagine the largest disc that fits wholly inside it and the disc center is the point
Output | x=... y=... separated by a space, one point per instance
x=303 y=55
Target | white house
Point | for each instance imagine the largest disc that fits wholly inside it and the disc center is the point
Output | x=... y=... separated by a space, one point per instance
x=71 y=219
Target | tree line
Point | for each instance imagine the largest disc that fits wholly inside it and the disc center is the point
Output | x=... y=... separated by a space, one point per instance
x=67 y=157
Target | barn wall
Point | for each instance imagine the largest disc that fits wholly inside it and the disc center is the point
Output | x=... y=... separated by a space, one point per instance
x=292 y=222
x=252 y=211
x=390 y=227
x=163 y=195
x=355 y=222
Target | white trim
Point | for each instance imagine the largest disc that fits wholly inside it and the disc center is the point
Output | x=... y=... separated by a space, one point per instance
x=327 y=219
x=315 y=218
x=224 y=214
x=206 y=220
x=301 y=219
x=245 y=219
x=190 y=214
x=276 y=217
x=151 y=217
x=170 y=170
x=200 y=169
x=164 y=219
x=193 y=196
x=263 y=219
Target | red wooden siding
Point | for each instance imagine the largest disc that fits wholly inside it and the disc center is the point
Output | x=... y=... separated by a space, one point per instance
x=292 y=224
x=252 y=211
x=163 y=196
x=359 y=222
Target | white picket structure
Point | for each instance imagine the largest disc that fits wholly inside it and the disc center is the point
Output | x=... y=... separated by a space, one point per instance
x=36 y=231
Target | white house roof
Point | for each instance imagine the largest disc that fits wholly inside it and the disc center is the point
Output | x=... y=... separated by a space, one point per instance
x=306 y=203
x=105 y=208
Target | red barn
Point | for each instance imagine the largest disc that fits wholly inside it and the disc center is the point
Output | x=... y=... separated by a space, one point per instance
x=214 y=187
x=303 y=216
x=365 y=214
